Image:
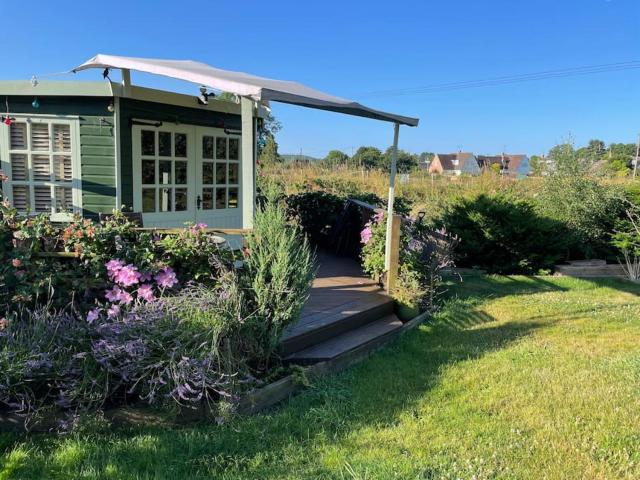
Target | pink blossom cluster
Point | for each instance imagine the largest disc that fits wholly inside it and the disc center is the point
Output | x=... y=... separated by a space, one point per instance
x=198 y=227
x=366 y=233
x=129 y=281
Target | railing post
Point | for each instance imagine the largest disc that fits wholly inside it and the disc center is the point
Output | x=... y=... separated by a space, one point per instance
x=394 y=253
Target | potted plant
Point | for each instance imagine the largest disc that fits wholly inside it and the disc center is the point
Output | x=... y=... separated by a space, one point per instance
x=408 y=294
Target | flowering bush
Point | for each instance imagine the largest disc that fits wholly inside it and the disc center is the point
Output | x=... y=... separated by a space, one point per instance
x=373 y=240
x=424 y=254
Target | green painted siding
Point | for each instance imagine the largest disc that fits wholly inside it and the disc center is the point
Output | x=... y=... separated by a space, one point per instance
x=97 y=145
x=157 y=112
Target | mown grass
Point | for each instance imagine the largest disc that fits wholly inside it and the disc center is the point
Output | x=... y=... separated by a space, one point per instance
x=515 y=378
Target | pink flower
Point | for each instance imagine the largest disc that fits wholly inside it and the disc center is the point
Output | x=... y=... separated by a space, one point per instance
x=378 y=217
x=20 y=273
x=3 y=323
x=166 y=278
x=113 y=311
x=146 y=292
x=197 y=227
x=93 y=315
x=113 y=267
x=16 y=262
x=3 y=177
x=127 y=275
x=365 y=235
x=125 y=297
x=146 y=277
x=113 y=295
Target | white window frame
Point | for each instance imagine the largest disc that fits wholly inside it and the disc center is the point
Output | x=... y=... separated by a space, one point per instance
x=76 y=182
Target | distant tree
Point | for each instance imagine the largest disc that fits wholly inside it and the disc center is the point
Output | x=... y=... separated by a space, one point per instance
x=426 y=157
x=593 y=152
x=538 y=165
x=335 y=158
x=619 y=158
x=269 y=153
x=565 y=160
x=267 y=127
x=406 y=161
x=367 y=157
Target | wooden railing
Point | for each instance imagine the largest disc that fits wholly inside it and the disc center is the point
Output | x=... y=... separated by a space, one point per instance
x=161 y=231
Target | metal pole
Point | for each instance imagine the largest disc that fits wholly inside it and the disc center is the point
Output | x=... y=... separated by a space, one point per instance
x=635 y=164
x=392 y=186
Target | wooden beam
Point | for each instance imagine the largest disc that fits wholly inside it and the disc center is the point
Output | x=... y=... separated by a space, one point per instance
x=392 y=187
x=394 y=253
x=248 y=163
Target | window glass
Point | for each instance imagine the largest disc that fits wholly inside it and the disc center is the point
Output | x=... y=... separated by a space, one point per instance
x=207 y=198
x=181 y=173
x=233 y=173
x=221 y=198
x=148 y=138
x=181 y=145
x=233 y=198
x=221 y=173
x=164 y=144
x=148 y=172
x=181 y=199
x=165 y=199
x=148 y=200
x=40 y=137
x=234 y=149
x=221 y=148
x=207 y=147
x=164 y=172
x=207 y=173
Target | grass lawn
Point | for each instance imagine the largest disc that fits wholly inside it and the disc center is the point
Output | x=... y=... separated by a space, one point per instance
x=515 y=378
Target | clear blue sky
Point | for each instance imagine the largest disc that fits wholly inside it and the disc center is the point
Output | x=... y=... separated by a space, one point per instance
x=350 y=48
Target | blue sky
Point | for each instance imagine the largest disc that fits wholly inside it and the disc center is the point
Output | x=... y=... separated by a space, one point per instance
x=352 y=48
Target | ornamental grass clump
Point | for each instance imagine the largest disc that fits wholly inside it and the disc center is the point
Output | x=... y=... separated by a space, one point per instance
x=45 y=362
x=277 y=275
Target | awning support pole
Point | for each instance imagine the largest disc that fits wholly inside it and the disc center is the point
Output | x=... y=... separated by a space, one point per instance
x=392 y=186
x=248 y=162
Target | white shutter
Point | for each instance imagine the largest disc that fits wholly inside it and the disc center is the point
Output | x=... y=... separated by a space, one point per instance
x=62 y=168
x=64 y=199
x=61 y=138
x=40 y=137
x=41 y=168
x=21 y=197
x=42 y=196
x=18 y=136
x=19 y=168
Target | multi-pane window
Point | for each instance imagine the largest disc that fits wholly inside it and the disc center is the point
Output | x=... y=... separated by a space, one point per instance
x=220 y=172
x=39 y=161
x=163 y=169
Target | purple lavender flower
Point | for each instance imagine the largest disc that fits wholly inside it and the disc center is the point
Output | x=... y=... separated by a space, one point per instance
x=93 y=315
x=114 y=311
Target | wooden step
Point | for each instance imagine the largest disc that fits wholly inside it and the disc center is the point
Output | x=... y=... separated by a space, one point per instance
x=371 y=335
x=610 y=270
x=317 y=328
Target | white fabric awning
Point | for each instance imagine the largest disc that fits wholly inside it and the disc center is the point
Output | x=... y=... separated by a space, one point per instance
x=243 y=84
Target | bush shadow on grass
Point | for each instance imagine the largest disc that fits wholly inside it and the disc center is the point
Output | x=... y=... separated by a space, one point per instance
x=372 y=393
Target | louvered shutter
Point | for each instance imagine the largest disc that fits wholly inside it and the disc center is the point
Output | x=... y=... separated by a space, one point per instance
x=40 y=137
x=21 y=199
x=19 y=167
x=61 y=138
x=42 y=197
x=40 y=165
x=18 y=136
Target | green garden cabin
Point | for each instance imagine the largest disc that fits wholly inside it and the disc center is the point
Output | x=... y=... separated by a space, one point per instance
x=91 y=147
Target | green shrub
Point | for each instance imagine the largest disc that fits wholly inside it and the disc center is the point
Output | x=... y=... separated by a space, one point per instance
x=504 y=235
x=587 y=208
x=277 y=276
x=316 y=212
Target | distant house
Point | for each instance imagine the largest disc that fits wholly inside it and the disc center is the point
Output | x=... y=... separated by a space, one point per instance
x=454 y=164
x=513 y=165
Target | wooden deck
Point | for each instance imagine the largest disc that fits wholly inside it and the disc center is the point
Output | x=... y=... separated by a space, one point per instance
x=343 y=299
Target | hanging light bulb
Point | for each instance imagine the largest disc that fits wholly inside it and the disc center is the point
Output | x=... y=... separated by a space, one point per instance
x=35 y=104
x=111 y=108
x=34 y=81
